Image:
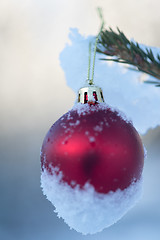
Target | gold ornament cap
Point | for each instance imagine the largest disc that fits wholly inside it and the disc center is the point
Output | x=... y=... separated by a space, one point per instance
x=90 y=93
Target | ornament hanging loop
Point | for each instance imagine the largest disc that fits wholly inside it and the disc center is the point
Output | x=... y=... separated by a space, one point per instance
x=89 y=66
x=90 y=93
x=96 y=42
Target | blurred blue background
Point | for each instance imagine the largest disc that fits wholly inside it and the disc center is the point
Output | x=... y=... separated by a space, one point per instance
x=32 y=35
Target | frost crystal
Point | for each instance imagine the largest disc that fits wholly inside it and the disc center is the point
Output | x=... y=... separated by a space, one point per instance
x=83 y=109
x=85 y=210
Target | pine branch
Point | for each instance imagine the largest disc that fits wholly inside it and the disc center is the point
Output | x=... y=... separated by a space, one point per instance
x=121 y=50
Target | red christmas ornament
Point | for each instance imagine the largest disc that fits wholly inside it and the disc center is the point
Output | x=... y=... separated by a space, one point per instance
x=92 y=143
x=92 y=161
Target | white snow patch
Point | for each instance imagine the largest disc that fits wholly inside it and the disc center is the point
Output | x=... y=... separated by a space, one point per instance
x=124 y=90
x=63 y=125
x=86 y=133
x=92 y=139
x=85 y=210
x=83 y=109
x=68 y=130
x=75 y=123
x=98 y=128
x=69 y=117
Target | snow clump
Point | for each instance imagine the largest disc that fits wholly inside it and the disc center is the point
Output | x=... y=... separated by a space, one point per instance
x=86 y=210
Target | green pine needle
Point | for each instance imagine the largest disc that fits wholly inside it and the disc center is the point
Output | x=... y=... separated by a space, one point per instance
x=116 y=44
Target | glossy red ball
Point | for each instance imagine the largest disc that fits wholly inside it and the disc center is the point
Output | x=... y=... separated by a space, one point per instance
x=95 y=145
